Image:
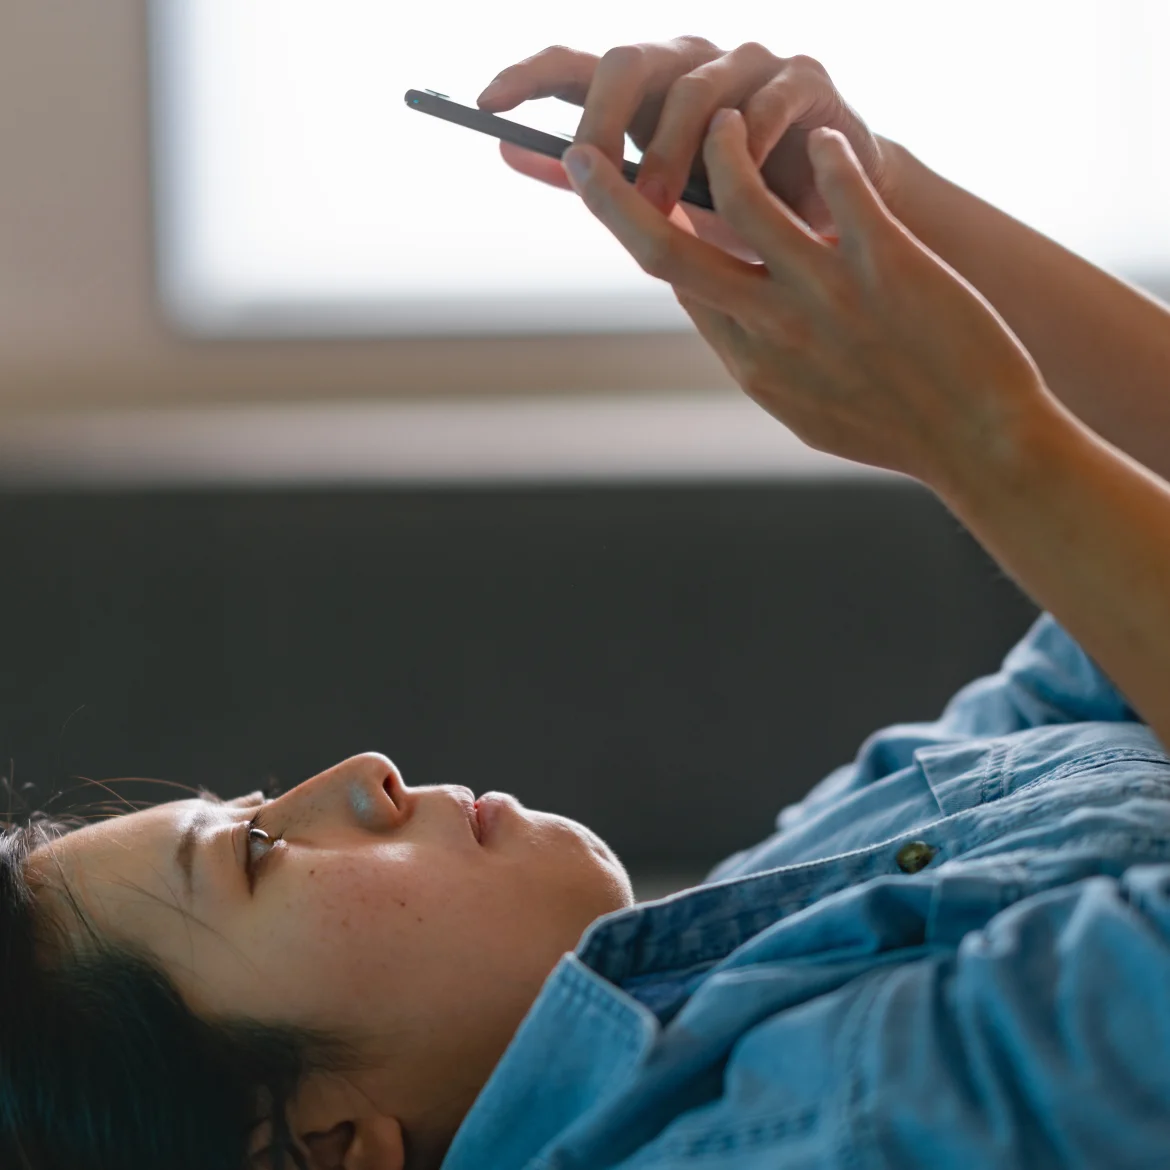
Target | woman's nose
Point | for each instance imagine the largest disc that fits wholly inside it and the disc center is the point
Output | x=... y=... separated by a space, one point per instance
x=376 y=791
x=367 y=788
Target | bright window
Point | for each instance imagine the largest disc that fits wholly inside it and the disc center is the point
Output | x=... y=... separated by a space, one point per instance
x=298 y=194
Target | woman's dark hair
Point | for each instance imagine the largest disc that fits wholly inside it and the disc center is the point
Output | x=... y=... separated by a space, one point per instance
x=102 y=1064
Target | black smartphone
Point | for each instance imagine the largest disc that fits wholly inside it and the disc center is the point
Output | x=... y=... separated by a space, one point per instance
x=428 y=101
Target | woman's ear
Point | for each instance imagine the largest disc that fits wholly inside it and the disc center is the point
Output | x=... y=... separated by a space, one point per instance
x=332 y=1150
x=373 y=1142
x=337 y=1126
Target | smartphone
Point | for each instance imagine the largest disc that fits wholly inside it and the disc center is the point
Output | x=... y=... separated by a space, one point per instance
x=428 y=101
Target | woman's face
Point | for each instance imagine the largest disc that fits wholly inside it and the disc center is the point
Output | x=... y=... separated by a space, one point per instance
x=377 y=912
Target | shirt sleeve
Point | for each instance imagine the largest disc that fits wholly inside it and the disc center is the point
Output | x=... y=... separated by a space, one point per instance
x=1041 y=1040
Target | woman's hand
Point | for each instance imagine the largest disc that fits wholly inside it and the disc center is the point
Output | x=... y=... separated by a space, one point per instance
x=871 y=348
x=664 y=95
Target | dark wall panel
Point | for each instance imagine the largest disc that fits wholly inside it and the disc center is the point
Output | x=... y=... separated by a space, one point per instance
x=669 y=664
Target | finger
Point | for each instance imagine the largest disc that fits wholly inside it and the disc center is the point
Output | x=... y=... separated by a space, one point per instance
x=782 y=103
x=557 y=71
x=710 y=227
x=788 y=247
x=627 y=77
x=661 y=248
x=856 y=207
x=687 y=109
x=535 y=166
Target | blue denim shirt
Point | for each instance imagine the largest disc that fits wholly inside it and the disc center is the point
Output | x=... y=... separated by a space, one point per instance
x=954 y=952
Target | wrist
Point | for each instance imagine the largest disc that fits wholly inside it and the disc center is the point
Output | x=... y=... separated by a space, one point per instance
x=1015 y=459
x=914 y=193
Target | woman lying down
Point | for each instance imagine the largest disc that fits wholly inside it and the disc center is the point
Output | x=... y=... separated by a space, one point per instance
x=954 y=952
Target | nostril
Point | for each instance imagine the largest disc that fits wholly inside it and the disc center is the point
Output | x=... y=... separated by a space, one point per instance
x=388 y=785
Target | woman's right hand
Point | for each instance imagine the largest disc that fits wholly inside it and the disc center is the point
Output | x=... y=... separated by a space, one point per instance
x=664 y=94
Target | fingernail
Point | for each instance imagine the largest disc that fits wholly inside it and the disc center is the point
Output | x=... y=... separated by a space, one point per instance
x=493 y=90
x=655 y=192
x=822 y=136
x=578 y=163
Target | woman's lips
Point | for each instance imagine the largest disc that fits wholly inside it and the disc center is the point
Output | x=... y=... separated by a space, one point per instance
x=489 y=808
x=465 y=798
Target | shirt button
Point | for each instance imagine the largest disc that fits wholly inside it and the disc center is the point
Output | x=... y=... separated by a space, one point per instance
x=915 y=855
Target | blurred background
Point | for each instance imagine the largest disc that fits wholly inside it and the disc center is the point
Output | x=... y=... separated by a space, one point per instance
x=323 y=431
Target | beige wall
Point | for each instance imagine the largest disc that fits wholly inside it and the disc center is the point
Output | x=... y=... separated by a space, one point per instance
x=78 y=320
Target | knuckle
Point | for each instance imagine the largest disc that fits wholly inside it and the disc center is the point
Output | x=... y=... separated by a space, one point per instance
x=755 y=51
x=696 y=87
x=622 y=57
x=810 y=64
x=699 y=43
x=552 y=51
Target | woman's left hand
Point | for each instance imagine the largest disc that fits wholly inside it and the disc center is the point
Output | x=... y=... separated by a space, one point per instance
x=870 y=347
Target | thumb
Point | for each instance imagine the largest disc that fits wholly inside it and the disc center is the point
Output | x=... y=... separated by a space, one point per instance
x=852 y=200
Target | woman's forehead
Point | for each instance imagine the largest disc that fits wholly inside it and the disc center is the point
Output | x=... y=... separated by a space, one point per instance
x=113 y=837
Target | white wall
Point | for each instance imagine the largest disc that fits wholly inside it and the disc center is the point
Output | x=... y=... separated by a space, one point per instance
x=81 y=335
x=78 y=322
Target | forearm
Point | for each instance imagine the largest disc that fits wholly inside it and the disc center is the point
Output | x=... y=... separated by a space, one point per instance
x=1085 y=531
x=1102 y=345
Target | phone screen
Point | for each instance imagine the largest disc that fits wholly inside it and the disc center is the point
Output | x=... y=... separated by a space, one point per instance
x=428 y=101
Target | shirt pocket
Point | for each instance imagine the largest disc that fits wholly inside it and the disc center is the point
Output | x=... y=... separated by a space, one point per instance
x=965 y=774
x=959 y=774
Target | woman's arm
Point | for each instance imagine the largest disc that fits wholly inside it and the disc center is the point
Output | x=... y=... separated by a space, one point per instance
x=1085 y=531
x=873 y=349
x=1102 y=345
x=1070 y=514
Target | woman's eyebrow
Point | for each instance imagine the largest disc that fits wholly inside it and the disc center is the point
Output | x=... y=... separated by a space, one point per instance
x=185 y=850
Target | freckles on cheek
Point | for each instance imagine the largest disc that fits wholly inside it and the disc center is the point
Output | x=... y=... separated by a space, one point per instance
x=351 y=900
